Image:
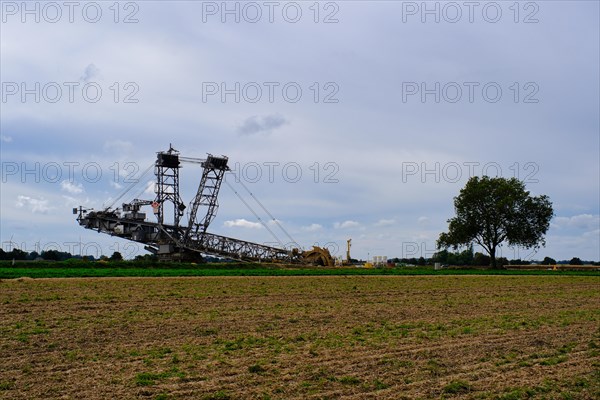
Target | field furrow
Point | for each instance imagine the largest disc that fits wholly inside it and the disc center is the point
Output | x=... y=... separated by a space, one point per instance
x=359 y=337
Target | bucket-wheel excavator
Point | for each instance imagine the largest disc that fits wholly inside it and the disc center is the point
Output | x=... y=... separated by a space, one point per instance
x=165 y=236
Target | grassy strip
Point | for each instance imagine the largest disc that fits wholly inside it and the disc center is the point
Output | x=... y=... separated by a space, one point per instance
x=73 y=264
x=159 y=271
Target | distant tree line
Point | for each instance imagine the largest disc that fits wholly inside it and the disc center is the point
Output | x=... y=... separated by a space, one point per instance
x=466 y=257
x=52 y=255
x=55 y=255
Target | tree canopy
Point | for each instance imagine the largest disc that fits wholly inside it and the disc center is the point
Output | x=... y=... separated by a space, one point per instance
x=491 y=211
x=575 y=261
x=548 y=261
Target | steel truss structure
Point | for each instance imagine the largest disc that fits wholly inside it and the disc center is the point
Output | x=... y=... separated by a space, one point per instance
x=168 y=239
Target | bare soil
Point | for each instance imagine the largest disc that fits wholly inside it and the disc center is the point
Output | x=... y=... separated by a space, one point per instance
x=359 y=337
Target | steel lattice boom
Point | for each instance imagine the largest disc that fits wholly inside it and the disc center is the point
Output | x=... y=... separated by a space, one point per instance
x=214 y=169
x=171 y=241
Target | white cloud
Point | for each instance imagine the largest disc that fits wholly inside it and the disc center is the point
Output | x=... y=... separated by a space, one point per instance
x=71 y=187
x=385 y=222
x=581 y=221
x=6 y=139
x=242 y=223
x=35 y=205
x=346 y=224
x=116 y=185
x=595 y=234
x=312 y=228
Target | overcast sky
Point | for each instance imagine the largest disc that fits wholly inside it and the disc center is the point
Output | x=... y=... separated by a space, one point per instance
x=358 y=119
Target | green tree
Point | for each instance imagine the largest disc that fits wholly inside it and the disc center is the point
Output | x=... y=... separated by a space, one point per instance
x=548 y=261
x=52 y=255
x=575 y=261
x=490 y=211
x=17 y=254
x=116 y=256
x=466 y=256
x=441 y=256
x=518 y=261
x=481 y=259
x=502 y=261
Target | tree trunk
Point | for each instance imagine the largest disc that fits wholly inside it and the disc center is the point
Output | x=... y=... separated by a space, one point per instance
x=493 y=258
x=493 y=262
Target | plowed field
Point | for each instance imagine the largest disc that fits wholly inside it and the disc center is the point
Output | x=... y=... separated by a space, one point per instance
x=360 y=337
